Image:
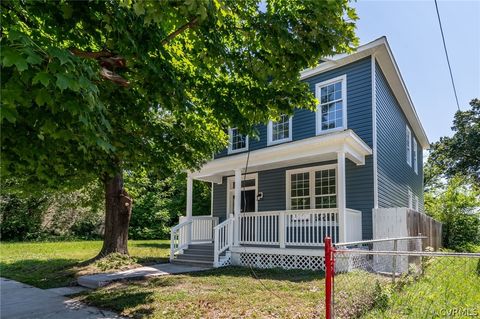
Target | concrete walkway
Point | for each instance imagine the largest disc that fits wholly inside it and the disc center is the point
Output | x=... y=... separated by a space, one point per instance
x=100 y=280
x=21 y=301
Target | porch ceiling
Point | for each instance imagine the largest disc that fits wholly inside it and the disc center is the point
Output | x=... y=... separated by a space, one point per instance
x=315 y=149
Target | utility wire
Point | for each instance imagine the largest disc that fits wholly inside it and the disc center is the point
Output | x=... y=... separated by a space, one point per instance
x=446 y=54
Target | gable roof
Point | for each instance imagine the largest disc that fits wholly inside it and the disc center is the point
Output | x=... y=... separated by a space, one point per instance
x=380 y=49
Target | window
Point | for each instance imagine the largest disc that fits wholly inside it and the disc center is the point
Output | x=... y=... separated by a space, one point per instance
x=325 y=189
x=238 y=141
x=313 y=187
x=410 y=198
x=415 y=156
x=415 y=202
x=300 y=191
x=409 y=146
x=280 y=131
x=331 y=112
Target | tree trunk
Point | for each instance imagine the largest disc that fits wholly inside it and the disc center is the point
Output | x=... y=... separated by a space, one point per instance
x=118 y=209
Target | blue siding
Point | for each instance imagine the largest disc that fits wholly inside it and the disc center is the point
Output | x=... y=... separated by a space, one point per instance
x=220 y=199
x=395 y=176
x=359 y=106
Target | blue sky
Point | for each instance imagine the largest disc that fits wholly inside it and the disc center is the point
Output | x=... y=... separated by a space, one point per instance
x=413 y=33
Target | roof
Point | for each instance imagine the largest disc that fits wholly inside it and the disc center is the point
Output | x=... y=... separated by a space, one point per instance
x=380 y=49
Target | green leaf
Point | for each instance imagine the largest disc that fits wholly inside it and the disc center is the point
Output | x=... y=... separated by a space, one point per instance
x=42 y=77
x=13 y=57
x=43 y=97
x=62 y=82
x=63 y=55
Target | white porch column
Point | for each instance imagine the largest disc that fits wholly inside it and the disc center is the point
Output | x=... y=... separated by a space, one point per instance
x=237 y=205
x=341 y=197
x=189 y=206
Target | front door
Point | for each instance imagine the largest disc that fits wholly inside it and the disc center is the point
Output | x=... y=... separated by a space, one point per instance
x=248 y=202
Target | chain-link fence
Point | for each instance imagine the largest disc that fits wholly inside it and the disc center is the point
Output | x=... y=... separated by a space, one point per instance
x=396 y=278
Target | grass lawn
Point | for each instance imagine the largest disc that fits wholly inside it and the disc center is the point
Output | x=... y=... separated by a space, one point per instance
x=232 y=292
x=56 y=264
x=449 y=288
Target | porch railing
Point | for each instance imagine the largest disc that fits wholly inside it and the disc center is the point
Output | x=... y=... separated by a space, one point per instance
x=197 y=229
x=223 y=239
x=291 y=227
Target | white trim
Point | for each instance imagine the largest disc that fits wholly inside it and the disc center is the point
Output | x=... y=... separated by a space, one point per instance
x=310 y=150
x=415 y=155
x=410 y=198
x=270 y=133
x=311 y=170
x=408 y=142
x=374 y=137
x=390 y=68
x=318 y=113
x=230 y=142
x=231 y=191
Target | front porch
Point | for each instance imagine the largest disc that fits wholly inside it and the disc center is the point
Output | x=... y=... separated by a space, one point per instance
x=311 y=188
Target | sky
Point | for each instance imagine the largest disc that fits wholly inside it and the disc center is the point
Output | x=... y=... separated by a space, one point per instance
x=413 y=33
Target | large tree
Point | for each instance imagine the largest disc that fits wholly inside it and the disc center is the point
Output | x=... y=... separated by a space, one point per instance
x=93 y=89
x=459 y=154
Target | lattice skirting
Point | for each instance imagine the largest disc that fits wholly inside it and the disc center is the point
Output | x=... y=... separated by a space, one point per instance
x=282 y=261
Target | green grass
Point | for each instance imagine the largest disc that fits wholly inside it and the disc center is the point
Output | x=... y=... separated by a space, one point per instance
x=448 y=285
x=231 y=292
x=56 y=264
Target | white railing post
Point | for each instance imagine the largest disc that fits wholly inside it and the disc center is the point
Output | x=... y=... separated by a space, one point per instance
x=216 y=244
x=282 y=229
x=237 y=205
x=230 y=232
x=172 y=245
x=341 y=198
x=189 y=207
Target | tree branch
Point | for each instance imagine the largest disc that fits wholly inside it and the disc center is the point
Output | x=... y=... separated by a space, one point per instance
x=184 y=27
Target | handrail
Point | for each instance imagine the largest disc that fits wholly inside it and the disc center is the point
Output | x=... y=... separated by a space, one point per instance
x=223 y=239
x=180 y=237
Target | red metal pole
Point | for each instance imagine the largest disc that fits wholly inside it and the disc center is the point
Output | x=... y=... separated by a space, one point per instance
x=328 y=277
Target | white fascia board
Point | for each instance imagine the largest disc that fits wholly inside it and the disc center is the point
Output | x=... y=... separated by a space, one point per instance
x=307 y=149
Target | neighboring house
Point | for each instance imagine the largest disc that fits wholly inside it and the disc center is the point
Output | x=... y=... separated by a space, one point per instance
x=313 y=174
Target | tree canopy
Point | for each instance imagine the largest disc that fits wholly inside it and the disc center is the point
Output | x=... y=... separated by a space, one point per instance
x=190 y=69
x=92 y=89
x=459 y=154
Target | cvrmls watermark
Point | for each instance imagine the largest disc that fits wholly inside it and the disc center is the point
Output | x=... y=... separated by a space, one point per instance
x=459 y=311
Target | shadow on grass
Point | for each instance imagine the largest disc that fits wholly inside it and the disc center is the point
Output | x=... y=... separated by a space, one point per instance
x=120 y=300
x=293 y=275
x=153 y=245
x=41 y=273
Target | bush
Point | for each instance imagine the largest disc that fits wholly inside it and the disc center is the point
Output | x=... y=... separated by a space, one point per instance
x=21 y=219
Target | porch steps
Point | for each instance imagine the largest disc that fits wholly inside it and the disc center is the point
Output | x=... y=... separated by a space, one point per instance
x=196 y=255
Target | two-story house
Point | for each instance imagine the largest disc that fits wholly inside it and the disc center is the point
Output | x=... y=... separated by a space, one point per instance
x=312 y=174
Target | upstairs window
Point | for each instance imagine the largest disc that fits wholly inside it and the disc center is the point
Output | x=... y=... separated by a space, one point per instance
x=331 y=111
x=408 y=137
x=281 y=131
x=415 y=156
x=237 y=141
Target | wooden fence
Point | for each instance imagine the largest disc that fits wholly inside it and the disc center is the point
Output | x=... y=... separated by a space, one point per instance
x=419 y=223
x=402 y=222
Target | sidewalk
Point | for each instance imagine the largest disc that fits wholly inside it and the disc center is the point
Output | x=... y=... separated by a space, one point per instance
x=100 y=280
x=21 y=301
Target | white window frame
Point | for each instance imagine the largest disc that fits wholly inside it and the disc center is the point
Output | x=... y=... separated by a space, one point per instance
x=270 y=140
x=415 y=202
x=230 y=142
x=318 y=116
x=311 y=171
x=408 y=141
x=231 y=191
x=410 y=198
x=415 y=156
